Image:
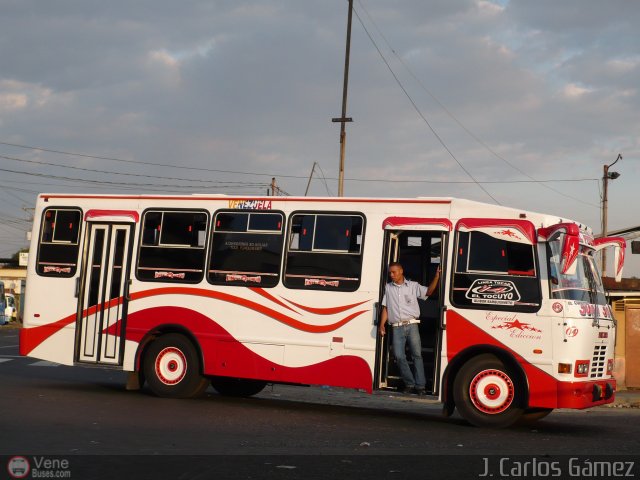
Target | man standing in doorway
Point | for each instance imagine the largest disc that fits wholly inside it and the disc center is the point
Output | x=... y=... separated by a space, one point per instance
x=400 y=308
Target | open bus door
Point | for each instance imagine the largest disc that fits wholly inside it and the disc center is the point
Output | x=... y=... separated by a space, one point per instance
x=419 y=244
x=103 y=287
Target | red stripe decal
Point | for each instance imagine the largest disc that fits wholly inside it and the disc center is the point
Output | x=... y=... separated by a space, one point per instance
x=325 y=311
x=225 y=297
x=270 y=199
x=268 y=296
x=96 y=213
x=525 y=227
x=444 y=223
x=30 y=338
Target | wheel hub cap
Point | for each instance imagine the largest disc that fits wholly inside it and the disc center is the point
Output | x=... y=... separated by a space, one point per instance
x=171 y=366
x=491 y=391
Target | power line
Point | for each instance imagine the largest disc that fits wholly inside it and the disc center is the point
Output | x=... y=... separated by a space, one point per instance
x=137 y=187
x=9 y=225
x=138 y=162
x=450 y=114
x=415 y=106
x=93 y=170
x=107 y=182
x=226 y=184
x=324 y=180
x=13 y=195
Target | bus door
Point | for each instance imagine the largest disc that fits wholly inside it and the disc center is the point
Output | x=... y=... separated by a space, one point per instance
x=419 y=245
x=103 y=288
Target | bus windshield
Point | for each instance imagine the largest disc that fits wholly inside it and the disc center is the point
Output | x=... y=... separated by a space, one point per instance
x=585 y=285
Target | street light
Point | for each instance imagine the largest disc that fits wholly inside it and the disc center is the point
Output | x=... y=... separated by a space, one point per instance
x=607 y=175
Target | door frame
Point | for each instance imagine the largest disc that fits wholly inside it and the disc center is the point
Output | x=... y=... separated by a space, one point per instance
x=105 y=304
x=394 y=227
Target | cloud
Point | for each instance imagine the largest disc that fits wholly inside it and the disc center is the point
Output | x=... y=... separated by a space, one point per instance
x=575 y=91
x=16 y=95
x=12 y=101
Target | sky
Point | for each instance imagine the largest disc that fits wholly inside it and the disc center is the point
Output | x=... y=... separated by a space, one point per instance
x=508 y=102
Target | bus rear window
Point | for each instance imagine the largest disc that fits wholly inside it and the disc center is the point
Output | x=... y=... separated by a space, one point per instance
x=59 y=242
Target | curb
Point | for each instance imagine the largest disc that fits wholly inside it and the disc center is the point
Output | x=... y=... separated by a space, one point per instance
x=15 y=325
x=625 y=399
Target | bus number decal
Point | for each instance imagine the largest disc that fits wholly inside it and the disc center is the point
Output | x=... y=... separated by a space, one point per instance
x=571 y=331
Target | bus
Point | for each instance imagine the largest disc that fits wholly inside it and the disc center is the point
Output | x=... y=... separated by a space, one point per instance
x=184 y=292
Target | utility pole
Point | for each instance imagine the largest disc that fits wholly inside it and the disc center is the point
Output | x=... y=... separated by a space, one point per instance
x=274 y=187
x=343 y=119
x=606 y=176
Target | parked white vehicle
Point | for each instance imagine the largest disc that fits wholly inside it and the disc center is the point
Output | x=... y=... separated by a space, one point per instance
x=10 y=311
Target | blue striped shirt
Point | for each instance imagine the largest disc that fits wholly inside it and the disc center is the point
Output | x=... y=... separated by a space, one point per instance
x=402 y=300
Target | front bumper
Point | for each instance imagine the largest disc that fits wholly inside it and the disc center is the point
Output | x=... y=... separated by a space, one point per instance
x=586 y=394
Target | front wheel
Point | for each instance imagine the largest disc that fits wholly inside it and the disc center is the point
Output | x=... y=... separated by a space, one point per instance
x=487 y=393
x=172 y=368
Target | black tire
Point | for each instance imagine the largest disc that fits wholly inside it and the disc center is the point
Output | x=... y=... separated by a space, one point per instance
x=532 y=415
x=487 y=393
x=237 y=387
x=172 y=368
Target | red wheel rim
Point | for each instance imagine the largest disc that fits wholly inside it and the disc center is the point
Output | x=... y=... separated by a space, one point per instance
x=491 y=391
x=171 y=366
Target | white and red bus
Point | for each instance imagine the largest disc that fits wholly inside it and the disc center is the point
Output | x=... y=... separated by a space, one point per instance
x=187 y=291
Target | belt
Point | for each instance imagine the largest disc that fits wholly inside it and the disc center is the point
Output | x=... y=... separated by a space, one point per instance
x=402 y=323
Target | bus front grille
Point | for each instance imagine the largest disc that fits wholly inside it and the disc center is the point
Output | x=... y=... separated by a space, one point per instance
x=598 y=362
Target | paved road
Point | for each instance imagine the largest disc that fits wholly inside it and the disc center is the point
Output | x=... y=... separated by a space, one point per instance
x=67 y=411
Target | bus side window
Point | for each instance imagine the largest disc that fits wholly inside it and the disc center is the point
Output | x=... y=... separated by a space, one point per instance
x=246 y=248
x=172 y=246
x=59 y=247
x=325 y=251
x=496 y=273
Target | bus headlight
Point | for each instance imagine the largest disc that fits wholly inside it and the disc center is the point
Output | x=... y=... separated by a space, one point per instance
x=582 y=368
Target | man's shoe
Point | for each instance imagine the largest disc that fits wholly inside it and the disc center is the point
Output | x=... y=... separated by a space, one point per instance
x=421 y=391
x=408 y=389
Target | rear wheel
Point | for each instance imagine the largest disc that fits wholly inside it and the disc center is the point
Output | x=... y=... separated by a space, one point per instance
x=172 y=368
x=487 y=393
x=237 y=387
